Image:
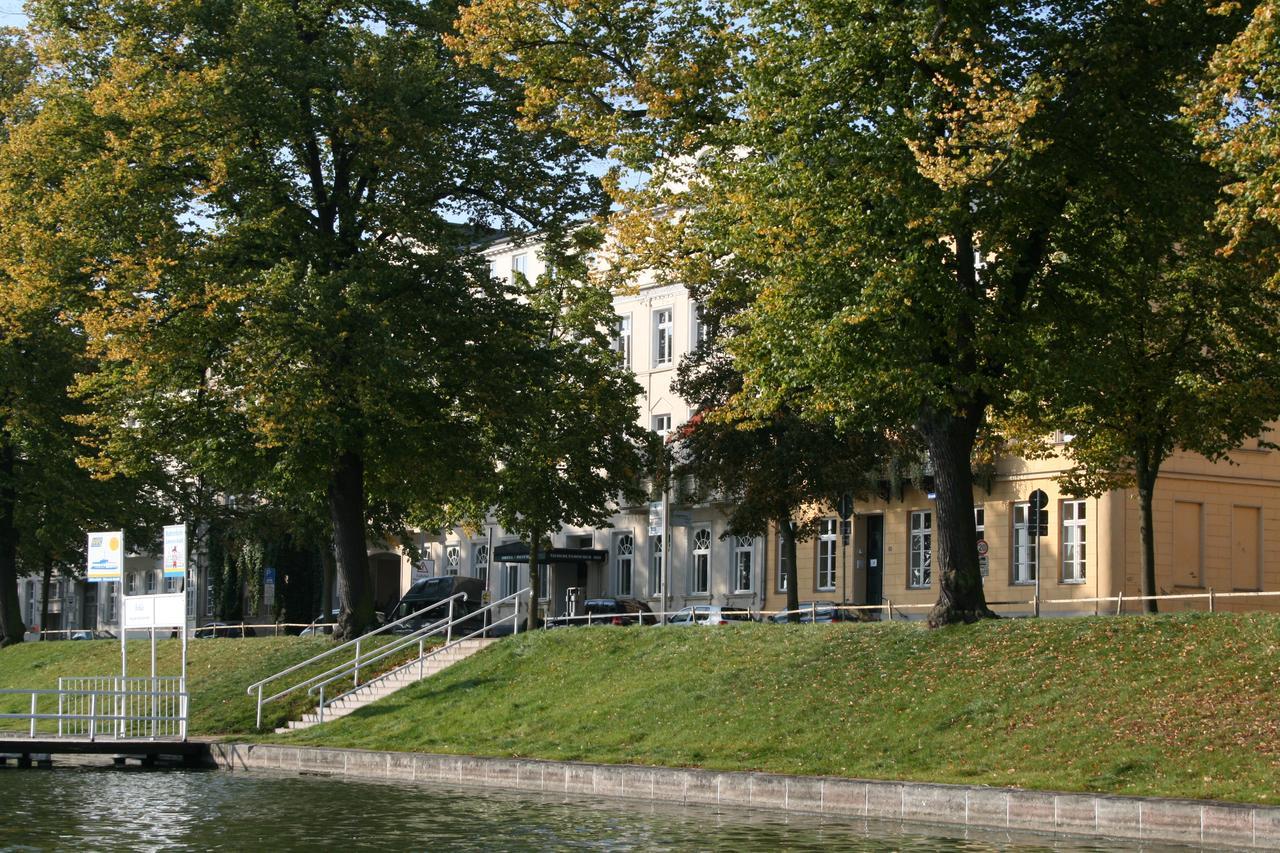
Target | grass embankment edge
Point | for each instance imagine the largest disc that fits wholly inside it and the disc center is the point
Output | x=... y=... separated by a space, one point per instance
x=1171 y=706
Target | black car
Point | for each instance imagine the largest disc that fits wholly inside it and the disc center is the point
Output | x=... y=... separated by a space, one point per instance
x=429 y=591
x=609 y=611
x=817 y=611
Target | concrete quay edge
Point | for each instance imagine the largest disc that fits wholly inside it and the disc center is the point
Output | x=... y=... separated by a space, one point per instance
x=1091 y=815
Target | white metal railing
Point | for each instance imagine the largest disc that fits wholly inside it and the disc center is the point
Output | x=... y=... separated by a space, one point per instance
x=419 y=638
x=107 y=706
x=355 y=664
x=811 y=611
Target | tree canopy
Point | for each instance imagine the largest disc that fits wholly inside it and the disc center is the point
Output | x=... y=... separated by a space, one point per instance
x=271 y=209
x=911 y=189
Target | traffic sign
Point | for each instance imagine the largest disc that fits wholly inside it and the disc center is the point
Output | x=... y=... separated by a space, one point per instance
x=982 y=547
x=844 y=506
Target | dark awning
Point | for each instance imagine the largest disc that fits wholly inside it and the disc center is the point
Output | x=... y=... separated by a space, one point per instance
x=518 y=552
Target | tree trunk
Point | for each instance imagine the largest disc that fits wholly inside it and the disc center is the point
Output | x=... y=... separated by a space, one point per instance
x=534 y=570
x=787 y=538
x=11 y=627
x=328 y=571
x=950 y=439
x=347 y=512
x=1146 y=475
x=46 y=579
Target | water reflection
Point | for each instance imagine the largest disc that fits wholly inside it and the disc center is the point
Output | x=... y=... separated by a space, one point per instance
x=102 y=809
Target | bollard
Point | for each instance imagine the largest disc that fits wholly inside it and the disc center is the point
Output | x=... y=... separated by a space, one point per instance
x=1120 y=603
x=1210 y=599
x=93 y=714
x=33 y=714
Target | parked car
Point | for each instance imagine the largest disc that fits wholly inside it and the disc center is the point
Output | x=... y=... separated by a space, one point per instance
x=91 y=635
x=429 y=591
x=210 y=630
x=609 y=611
x=817 y=611
x=710 y=614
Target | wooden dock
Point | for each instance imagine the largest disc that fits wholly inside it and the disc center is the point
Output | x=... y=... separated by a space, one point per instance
x=41 y=751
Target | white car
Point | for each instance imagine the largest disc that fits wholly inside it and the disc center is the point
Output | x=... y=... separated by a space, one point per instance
x=709 y=614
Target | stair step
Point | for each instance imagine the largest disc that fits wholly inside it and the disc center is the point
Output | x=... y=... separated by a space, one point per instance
x=390 y=682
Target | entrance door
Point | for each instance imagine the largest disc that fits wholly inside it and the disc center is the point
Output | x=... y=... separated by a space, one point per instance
x=875 y=559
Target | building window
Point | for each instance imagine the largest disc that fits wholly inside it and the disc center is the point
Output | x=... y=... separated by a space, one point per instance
x=510 y=579
x=452 y=560
x=132 y=584
x=151 y=582
x=663 y=341
x=519 y=267
x=31 y=603
x=208 y=596
x=624 y=550
x=622 y=339
x=782 y=566
x=700 y=575
x=662 y=425
x=544 y=582
x=480 y=562
x=921 y=567
x=171 y=585
x=980 y=528
x=826 y=555
x=655 y=565
x=113 y=590
x=1073 y=541
x=698 y=330
x=1024 y=545
x=743 y=549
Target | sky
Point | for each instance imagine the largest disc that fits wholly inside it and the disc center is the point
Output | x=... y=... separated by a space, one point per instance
x=11 y=14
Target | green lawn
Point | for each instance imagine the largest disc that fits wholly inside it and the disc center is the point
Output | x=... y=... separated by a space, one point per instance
x=218 y=671
x=1182 y=705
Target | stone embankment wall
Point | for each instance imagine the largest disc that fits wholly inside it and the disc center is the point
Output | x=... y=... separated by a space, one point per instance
x=1148 y=819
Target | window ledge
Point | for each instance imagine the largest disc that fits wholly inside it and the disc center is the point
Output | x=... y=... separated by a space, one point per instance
x=1080 y=582
x=925 y=586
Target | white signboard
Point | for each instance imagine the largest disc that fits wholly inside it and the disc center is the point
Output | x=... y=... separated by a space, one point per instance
x=424 y=568
x=656 y=521
x=175 y=551
x=106 y=556
x=155 y=611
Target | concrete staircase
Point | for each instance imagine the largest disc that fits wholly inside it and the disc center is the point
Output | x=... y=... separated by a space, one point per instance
x=389 y=682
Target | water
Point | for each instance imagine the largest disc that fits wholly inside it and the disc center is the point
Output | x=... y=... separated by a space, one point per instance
x=105 y=809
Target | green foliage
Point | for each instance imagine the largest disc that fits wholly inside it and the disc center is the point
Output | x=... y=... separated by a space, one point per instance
x=1156 y=706
x=901 y=201
x=268 y=212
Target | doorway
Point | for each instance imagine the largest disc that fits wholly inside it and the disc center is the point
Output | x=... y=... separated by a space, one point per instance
x=875 y=559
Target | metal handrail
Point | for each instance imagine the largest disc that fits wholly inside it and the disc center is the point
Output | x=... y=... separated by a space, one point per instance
x=93 y=717
x=258 y=685
x=419 y=637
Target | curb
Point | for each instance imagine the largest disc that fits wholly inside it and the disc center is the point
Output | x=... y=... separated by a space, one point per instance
x=1098 y=815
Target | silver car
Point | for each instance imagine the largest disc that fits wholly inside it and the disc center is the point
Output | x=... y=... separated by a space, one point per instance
x=710 y=614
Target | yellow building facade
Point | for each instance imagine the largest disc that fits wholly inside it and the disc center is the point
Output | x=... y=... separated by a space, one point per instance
x=1217 y=528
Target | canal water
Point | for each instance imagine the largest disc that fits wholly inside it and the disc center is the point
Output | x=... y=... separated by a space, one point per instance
x=84 y=809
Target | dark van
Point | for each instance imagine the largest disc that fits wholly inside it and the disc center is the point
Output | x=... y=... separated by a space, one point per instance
x=430 y=591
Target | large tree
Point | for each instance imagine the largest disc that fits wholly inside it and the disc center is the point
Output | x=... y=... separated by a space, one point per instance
x=1182 y=352
x=267 y=205
x=571 y=444
x=914 y=183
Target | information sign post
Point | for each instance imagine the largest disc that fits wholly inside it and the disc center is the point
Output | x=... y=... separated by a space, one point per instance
x=1038 y=526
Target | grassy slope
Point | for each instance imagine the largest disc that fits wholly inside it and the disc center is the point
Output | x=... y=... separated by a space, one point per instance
x=1173 y=706
x=218 y=672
